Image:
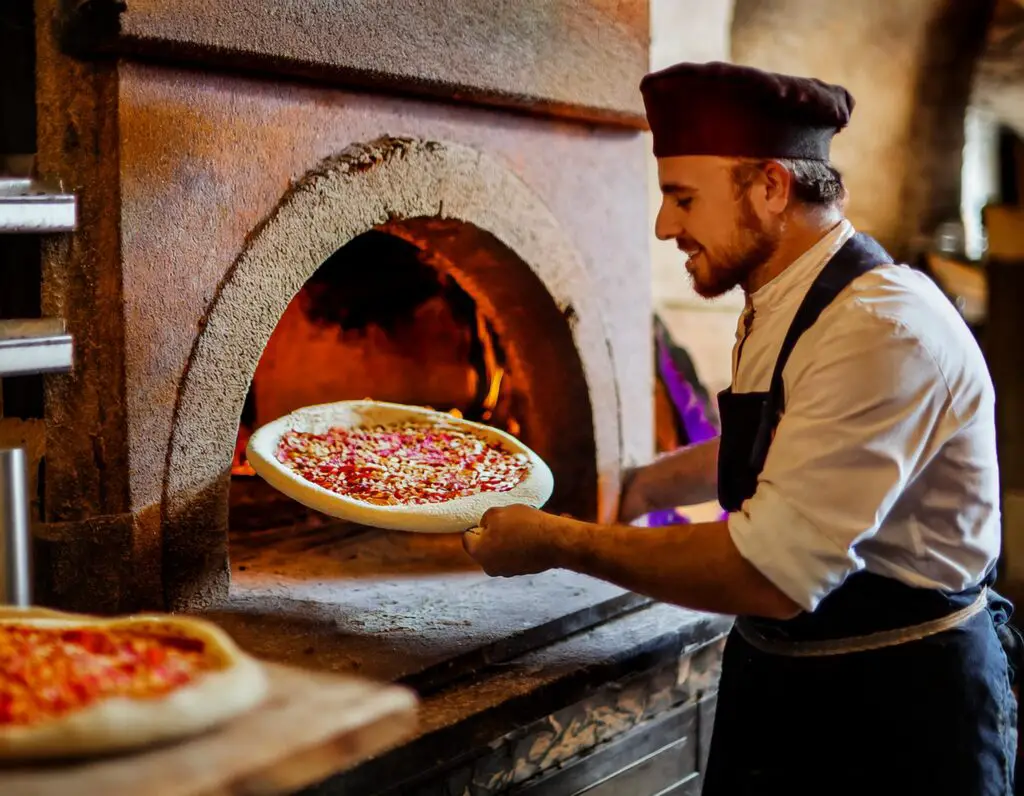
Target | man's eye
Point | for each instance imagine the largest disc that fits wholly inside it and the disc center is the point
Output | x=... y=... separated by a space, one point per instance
x=683 y=204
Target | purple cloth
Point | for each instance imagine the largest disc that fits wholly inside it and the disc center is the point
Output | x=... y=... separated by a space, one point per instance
x=690 y=409
x=684 y=397
x=659 y=519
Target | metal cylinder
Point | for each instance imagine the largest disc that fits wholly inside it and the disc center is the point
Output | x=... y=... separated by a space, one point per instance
x=15 y=550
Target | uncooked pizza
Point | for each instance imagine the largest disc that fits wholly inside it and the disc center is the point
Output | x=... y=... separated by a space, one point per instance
x=396 y=466
x=73 y=684
x=410 y=463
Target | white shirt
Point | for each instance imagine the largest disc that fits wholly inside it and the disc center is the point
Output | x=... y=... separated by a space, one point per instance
x=885 y=456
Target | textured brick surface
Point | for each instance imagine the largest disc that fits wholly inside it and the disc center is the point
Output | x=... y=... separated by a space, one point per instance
x=580 y=58
x=86 y=464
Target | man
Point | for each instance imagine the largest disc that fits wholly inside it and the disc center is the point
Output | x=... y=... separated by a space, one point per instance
x=857 y=463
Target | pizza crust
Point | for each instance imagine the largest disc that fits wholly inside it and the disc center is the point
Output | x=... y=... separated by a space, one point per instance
x=452 y=516
x=235 y=686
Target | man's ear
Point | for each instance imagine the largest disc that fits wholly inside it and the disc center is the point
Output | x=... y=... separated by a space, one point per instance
x=778 y=185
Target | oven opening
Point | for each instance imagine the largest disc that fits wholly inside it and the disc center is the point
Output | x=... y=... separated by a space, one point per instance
x=379 y=319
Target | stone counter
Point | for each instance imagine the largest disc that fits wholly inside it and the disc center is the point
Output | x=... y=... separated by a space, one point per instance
x=547 y=681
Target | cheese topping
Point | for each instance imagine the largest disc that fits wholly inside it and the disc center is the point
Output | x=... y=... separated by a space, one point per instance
x=47 y=673
x=412 y=463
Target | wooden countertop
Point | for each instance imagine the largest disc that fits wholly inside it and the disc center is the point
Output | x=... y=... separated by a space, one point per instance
x=311 y=726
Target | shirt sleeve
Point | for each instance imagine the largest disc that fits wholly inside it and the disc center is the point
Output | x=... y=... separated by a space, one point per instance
x=863 y=415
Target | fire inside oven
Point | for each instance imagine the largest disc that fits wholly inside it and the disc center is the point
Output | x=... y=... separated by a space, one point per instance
x=377 y=320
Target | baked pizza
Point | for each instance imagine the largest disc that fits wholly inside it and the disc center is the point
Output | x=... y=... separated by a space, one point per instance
x=74 y=685
x=396 y=466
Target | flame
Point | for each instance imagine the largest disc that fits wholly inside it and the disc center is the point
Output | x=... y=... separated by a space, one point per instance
x=239 y=463
x=492 y=370
x=492 y=394
x=491 y=364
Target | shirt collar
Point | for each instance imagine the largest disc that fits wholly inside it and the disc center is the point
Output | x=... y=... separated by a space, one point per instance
x=793 y=283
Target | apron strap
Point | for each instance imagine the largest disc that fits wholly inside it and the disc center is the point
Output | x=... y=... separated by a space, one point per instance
x=857 y=256
x=865 y=643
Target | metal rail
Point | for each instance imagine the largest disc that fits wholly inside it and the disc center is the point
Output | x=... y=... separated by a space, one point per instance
x=38 y=345
x=29 y=206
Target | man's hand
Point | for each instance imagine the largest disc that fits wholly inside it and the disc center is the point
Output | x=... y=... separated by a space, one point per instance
x=633 y=501
x=696 y=566
x=515 y=540
x=681 y=478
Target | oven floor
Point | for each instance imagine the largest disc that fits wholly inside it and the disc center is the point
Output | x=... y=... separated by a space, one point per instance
x=410 y=608
x=545 y=680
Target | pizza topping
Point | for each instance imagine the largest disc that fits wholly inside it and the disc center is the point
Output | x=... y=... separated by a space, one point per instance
x=411 y=463
x=46 y=673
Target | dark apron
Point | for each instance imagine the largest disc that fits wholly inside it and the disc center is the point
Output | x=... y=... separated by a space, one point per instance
x=934 y=716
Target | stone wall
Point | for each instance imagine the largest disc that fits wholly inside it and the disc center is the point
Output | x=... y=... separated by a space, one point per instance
x=909 y=65
x=999 y=86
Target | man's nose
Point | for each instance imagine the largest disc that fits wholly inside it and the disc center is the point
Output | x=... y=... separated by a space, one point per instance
x=665 y=228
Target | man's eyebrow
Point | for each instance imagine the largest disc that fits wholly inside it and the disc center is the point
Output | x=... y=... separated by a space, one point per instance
x=676 y=188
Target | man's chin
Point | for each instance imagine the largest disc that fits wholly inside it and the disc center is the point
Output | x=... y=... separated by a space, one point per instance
x=709 y=290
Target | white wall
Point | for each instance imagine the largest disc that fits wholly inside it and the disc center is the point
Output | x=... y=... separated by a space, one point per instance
x=980 y=176
x=691 y=30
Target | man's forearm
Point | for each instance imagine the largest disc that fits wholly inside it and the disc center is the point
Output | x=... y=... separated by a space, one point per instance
x=681 y=478
x=695 y=566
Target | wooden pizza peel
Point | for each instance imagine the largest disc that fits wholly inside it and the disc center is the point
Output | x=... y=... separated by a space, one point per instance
x=309 y=726
x=312 y=725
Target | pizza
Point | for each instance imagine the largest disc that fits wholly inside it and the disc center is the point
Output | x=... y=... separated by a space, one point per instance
x=395 y=466
x=74 y=685
x=410 y=463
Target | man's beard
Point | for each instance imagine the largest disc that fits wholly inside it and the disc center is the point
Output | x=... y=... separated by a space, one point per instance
x=723 y=270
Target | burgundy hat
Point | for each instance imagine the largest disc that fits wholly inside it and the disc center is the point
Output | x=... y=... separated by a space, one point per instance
x=738 y=111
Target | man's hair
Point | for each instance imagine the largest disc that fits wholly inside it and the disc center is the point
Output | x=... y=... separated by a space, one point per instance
x=815 y=182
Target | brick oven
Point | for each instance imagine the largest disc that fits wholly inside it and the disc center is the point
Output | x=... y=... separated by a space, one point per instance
x=288 y=203
x=209 y=196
